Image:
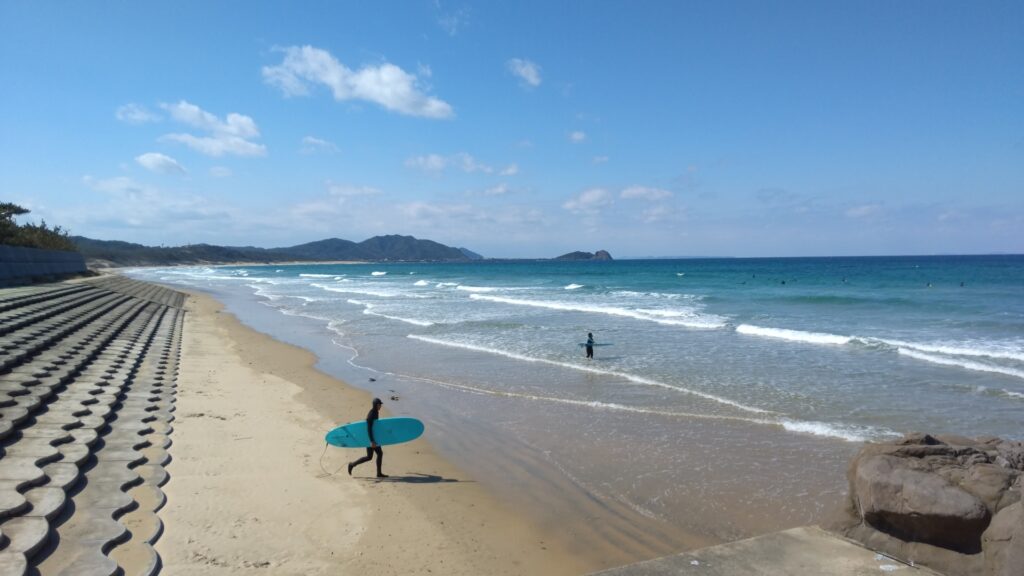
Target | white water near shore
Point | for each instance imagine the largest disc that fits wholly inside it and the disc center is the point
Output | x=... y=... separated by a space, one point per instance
x=713 y=387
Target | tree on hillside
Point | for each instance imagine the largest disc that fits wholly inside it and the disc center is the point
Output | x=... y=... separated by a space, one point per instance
x=30 y=235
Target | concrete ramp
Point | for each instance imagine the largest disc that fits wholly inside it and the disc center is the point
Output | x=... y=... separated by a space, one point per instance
x=800 y=551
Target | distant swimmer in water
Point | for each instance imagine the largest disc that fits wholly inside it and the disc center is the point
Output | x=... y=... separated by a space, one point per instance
x=590 y=345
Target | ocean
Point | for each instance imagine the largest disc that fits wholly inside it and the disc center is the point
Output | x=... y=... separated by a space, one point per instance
x=726 y=399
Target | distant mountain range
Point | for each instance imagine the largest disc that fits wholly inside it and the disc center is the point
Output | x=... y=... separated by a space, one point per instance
x=377 y=249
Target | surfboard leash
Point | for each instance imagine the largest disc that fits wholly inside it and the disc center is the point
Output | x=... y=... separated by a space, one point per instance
x=322 y=462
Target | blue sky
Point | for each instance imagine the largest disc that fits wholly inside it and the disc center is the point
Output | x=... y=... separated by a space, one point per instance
x=522 y=129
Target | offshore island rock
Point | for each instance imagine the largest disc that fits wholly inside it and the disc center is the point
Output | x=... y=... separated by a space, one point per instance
x=582 y=256
x=948 y=502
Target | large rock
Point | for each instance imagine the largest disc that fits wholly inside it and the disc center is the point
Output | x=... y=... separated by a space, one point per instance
x=1003 y=543
x=918 y=506
x=949 y=502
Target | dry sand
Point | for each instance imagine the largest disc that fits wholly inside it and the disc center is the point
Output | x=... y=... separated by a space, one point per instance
x=248 y=491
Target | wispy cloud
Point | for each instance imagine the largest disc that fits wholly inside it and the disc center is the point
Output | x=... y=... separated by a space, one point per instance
x=452 y=22
x=232 y=136
x=135 y=114
x=863 y=210
x=577 y=136
x=129 y=204
x=527 y=71
x=510 y=170
x=156 y=162
x=600 y=159
x=349 y=190
x=589 y=202
x=659 y=213
x=312 y=145
x=436 y=163
x=644 y=193
x=220 y=171
x=386 y=84
x=499 y=190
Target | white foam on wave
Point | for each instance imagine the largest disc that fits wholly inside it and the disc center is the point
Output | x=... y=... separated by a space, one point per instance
x=467 y=288
x=793 y=335
x=687 y=318
x=378 y=273
x=961 y=363
x=316 y=275
x=573 y=287
x=629 y=377
x=999 y=350
x=412 y=321
x=843 y=432
x=1013 y=394
x=848 y=433
x=369 y=310
x=421 y=283
x=659 y=295
x=357 y=290
x=446 y=284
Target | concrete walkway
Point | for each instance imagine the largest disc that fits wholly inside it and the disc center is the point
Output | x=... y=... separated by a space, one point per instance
x=800 y=551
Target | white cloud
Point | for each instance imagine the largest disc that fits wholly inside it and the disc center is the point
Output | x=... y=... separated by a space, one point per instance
x=864 y=210
x=452 y=21
x=348 y=190
x=220 y=171
x=600 y=159
x=435 y=163
x=429 y=163
x=120 y=186
x=132 y=205
x=644 y=193
x=234 y=125
x=658 y=213
x=312 y=145
x=510 y=170
x=232 y=135
x=499 y=190
x=577 y=136
x=428 y=211
x=589 y=201
x=218 y=145
x=469 y=164
x=135 y=114
x=386 y=85
x=156 y=162
x=527 y=71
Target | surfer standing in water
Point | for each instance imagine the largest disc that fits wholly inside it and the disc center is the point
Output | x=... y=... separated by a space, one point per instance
x=590 y=345
x=371 y=418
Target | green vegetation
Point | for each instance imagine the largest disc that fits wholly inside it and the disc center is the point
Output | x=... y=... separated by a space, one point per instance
x=31 y=235
x=377 y=249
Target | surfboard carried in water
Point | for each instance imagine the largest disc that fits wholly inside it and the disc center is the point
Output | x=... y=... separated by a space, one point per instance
x=583 y=344
x=385 y=431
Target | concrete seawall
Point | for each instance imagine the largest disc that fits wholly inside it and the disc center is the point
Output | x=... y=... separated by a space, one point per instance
x=20 y=265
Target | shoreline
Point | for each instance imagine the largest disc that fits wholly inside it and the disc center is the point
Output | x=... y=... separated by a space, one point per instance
x=247 y=488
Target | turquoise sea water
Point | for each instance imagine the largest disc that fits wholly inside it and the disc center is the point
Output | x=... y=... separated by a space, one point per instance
x=718 y=369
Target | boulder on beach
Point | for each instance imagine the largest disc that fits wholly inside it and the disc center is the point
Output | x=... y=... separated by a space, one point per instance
x=948 y=502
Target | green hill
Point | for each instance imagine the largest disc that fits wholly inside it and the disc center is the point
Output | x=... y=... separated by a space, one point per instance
x=376 y=249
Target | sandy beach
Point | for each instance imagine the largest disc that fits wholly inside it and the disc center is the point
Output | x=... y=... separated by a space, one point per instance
x=251 y=486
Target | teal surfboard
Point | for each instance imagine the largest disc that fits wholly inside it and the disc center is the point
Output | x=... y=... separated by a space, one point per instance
x=385 y=431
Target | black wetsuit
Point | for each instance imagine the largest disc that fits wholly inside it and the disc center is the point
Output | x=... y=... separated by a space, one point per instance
x=371 y=419
x=590 y=347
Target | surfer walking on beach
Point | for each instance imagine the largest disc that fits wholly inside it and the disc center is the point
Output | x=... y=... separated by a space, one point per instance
x=371 y=418
x=590 y=345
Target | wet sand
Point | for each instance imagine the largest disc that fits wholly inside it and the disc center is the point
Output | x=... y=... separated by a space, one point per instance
x=249 y=488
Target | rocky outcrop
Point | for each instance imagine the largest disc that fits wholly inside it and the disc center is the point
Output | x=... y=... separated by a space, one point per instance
x=599 y=255
x=948 y=502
